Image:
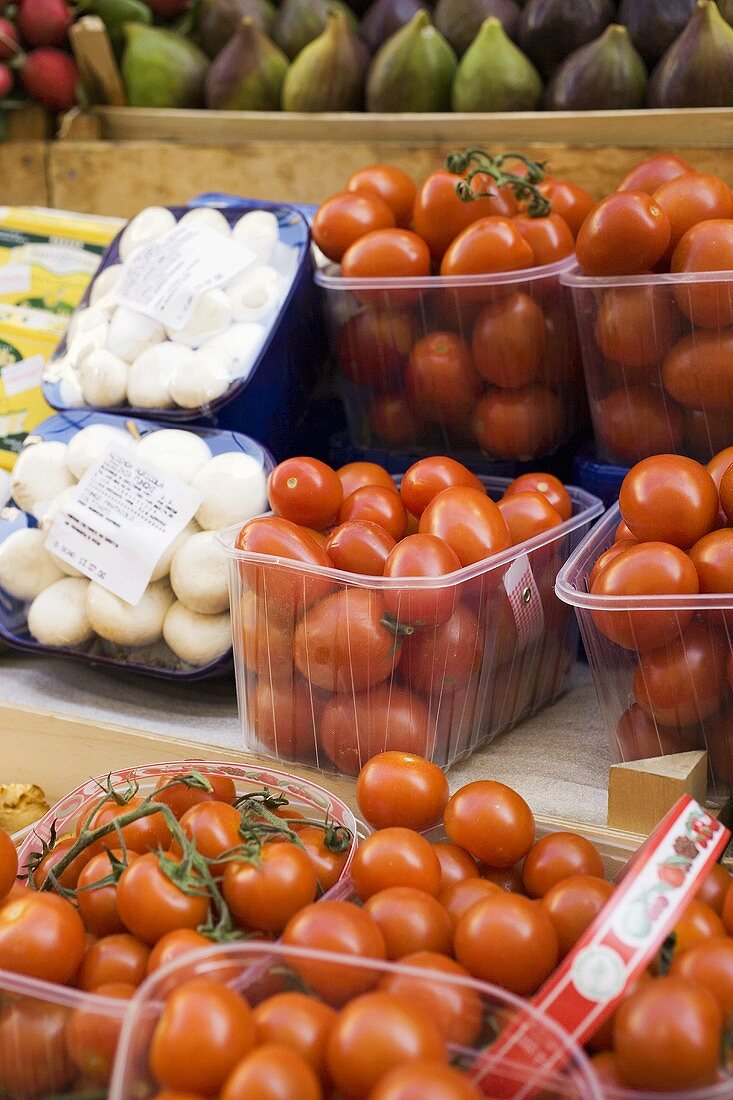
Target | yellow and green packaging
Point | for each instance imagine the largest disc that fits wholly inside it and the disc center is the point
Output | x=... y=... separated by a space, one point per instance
x=28 y=338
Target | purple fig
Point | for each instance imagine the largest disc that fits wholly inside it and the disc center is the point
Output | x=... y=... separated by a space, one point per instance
x=697 y=69
x=459 y=21
x=551 y=29
x=219 y=19
x=654 y=24
x=605 y=75
x=248 y=73
x=384 y=18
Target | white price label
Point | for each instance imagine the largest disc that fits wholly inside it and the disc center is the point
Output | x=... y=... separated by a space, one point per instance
x=15 y=278
x=118 y=521
x=165 y=278
x=22 y=376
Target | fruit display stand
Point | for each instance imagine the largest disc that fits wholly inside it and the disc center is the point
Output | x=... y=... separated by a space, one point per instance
x=24 y=156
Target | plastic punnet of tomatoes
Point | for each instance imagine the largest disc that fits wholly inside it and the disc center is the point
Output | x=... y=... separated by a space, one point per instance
x=455 y=333
x=653 y=298
x=131 y=871
x=417 y=614
x=652 y=587
x=321 y=1023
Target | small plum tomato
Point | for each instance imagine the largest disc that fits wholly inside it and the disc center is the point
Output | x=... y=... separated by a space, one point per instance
x=549 y=238
x=638 y=736
x=393 y=421
x=636 y=327
x=394 y=857
x=491 y=821
x=458 y=898
x=400 y=789
x=508 y=341
x=709 y=963
x=697 y=923
x=354 y=728
x=360 y=546
x=270 y=1072
x=683 y=683
x=441 y=381
x=635 y=421
x=354 y=475
x=287 y=591
x=410 y=920
x=550 y=487
x=558 y=856
x=627 y=233
x=508 y=940
x=572 y=904
x=654 y=171
x=429 y=476
x=377 y=504
x=518 y=424
x=528 y=514
x=8 y=864
x=569 y=201
x=425 y=1078
x=698 y=371
x=344 y=929
x=469 y=521
x=691 y=198
x=491 y=244
x=440 y=660
x=298 y=1021
x=387 y=254
x=391 y=185
x=306 y=491
x=372 y=348
x=422 y=555
x=669 y=498
x=439 y=215
x=344 y=218
x=707 y=246
x=456 y=1009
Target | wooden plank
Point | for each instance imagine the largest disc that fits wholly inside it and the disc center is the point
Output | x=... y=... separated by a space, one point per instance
x=689 y=127
x=23 y=173
x=32 y=123
x=121 y=177
x=97 y=64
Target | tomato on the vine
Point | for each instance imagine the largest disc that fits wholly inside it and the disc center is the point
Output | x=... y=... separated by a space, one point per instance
x=265 y=895
x=179 y=796
x=213 y=827
x=549 y=238
x=393 y=186
x=569 y=201
x=489 y=245
x=98 y=904
x=440 y=215
x=151 y=904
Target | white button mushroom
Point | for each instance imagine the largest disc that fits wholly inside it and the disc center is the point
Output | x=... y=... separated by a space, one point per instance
x=149 y=380
x=131 y=333
x=4 y=487
x=197 y=639
x=58 y=616
x=179 y=453
x=118 y=621
x=212 y=315
x=104 y=283
x=163 y=565
x=40 y=473
x=202 y=380
x=89 y=445
x=209 y=217
x=255 y=295
x=103 y=378
x=146 y=226
x=90 y=323
x=26 y=567
x=242 y=344
x=70 y=394
x=234 y=489
x=259 y=231
x=199 y=574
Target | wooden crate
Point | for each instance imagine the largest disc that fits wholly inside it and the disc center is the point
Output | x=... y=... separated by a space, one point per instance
x=113 y=160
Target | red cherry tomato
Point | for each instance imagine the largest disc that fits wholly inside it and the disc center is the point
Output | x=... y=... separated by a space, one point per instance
x=455 y=864
x=627 y=233
x=607 y=557
x=507 y=940
x=391 y=185
x=508 y=341
x=388 y=254
x=377 y=504
x=122 y=958
x=714 y=888
x=550 y=487
x=569 y=201
x=669 y=498
x=528 y=514
x=360 y=546
x=558 y=856
x=265 y=894
x=709 y=963
x=712 y=556
x=491 y=821
x=429 y=476
x=441 y=381
x=421 y=556
x=697 y=923
x=410 y=920
x=458 y=898
x=354 y=475
x=397 y=788
x=344 y=929
x=572 y=904
x=286 y=591
x=41 y=936
x=698 y=370
x=344 y=218
x=683 y=683
x=456 y=1009
x=549 y=238
x=637 y=421
x=707 y=246
x=653 y=172
x=638 y=736
x=297 y=1021
x=356 y=727
x=691 y=198
x=8 y=864
x=393 y=421
x=439 y=660
x=469 y=521
x=726 y=494
x=520 y=424
x=425 y=1078
x=306 y=491
x=636 y=327
x=440 y=215
x=719 y=463
x=98 y=904
x=491 y=244
x=394 y=857
x=272 y=1071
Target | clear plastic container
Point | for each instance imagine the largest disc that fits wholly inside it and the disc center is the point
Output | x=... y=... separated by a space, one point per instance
x=596 y=477
x=334 y=667
x=504 y=380
x=561 y=1071
x=659 y=664
x=155 y=659
x=658 y=362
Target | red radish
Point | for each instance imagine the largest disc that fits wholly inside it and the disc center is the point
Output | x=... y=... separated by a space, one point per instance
x=6 y=81
x=50 y=76
x=44 y=22
x=8 y=39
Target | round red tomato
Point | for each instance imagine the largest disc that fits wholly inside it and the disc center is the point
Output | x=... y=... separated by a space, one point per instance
x=213 y=827
x=173 y=946
x=398 y=788
x=391 y=185
x=119 y=958
x=712 y=557
x=441 y=381
x=429 y=476
x=421 y=555
x=427 y=1078
x=521 y=424
x=360 y=546
x=669 y=498
x=344 y=929
x=325 y=853
x=439 y=215
x=697 y=923
x=179 y=796
x=627 y=233
x=265 y=895
x=345 y=643
x=151 y=904
x=549 y=238
x=92 y=1035
x=354 y=475
x=652 y=172
x=410 y=920
x=508 y=341
x=70 y=875
x=698 y=370
x=550 y=487
x=285 y=715
x=456 y=1009
x=709 y=963
x=528 y=514
x=491 y=244
x=684 y=682
x=691 y=198
x=558 y=856
x=441 y=659
x=719 y=463
x=376 y=504
x=394 y=857
x=387 y=254
x=375 y=1033
x=636 y=327
x=270 y=1072
x=456 y=864
x=144 y=835
x=8 y=864
x=667 y=1036
x=373 y=346
x=707 y=431
x=645 y=569
x=297 y=1021
x=572 y=904
x=203 y=1032
x=393 y=421
x=344 y=218
x=637 y=421
x=569 y=201
x=356 y=727
x=41 y=936
x=491 y=821
x=508 y=940
x=306 y=491
x=98 y=904
x=458 y=898
x=34 y=1061
x=714 y=888
x=469 y=521
x=707 y=246
x=285 y=591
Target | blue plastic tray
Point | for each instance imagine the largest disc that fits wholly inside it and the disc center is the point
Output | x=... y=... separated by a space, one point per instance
x=13 y=613
x=596 y=477
x=267 y=404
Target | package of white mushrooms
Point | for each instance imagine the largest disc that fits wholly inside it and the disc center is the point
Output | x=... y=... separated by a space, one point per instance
x=182 y=312
x=180 y=626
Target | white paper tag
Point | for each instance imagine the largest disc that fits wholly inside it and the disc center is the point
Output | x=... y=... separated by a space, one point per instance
x=22 y=376
x=165 y=278
x=15 y=279
x=119 y=520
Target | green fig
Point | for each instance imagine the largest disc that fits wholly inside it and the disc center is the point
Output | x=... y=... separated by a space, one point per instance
x=115 y=13
x=494 y=74
x=605 y=75
x=161 y=68
x=299 y=22
x=413 y=70
x=697 y=69
x=459 y=21
x=248 y=74
x=219 y=19
x=328 y=75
